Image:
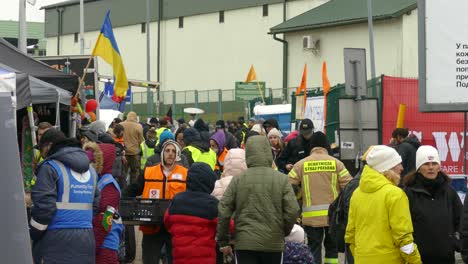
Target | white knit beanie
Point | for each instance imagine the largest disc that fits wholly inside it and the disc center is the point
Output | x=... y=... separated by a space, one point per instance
x=274 y=132
x=258 y=128
x=382 y=158
x=297 y=235
x=426 y=154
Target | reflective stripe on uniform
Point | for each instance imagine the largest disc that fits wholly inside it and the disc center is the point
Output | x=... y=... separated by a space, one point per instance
x=315 y=210
x=331 y=261
x=334 y=182
x=292 y=174
x=343 y=172
x=65 y=203
x=37 y=225
x=306 y=185
x=74 y=206
x=315 y=213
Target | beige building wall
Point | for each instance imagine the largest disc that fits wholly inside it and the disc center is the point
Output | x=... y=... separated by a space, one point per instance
x=395 y=44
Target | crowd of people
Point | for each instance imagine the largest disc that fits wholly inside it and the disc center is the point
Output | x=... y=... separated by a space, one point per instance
x=240 y=192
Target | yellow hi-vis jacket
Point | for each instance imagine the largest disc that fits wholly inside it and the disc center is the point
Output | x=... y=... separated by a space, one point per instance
x=379 y=226
x=208 y=157
x=159 y=132
x=146 y=152
x=322 y=177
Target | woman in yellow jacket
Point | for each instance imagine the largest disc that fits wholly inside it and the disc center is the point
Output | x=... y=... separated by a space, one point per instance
x=379 y=226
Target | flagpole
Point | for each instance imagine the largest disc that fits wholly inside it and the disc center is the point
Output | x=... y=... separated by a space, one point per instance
x=260 y=91
x=85 y=71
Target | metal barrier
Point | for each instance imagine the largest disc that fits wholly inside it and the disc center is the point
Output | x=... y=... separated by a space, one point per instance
x=218 y=104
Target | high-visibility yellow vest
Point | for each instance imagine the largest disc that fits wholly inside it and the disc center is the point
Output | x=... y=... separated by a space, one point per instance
x=208 y=157
x=159 y=132
x=146 y=153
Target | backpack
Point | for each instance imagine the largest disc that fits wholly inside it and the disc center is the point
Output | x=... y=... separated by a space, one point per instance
x=118 y=168
x=338 y=213
x=336 y=222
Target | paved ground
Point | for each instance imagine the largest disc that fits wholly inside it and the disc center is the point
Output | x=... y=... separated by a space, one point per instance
x=138 y=259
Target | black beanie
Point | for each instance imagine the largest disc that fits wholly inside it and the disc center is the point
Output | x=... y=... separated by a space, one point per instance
x=319 y=139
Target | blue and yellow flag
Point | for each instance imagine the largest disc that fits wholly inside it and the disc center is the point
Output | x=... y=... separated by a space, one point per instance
x=106 y=48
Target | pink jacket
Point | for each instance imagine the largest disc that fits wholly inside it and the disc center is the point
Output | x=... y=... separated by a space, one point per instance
x=234 y=165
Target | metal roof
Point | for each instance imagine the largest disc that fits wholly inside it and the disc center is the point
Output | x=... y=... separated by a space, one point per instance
x=344 y=12
x=9 y=29
x=65 y=3
x=133 y=12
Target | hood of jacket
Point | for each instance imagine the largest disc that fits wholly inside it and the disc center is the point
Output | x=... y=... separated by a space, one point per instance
x=191 y=135
x=98 y=126
x=258 y=152
x=220 y=138
x=132 y=116
x=234 y=163
x=201 y=178
x=106 y=138
x=109 y=155
x=70 y=154
x=413 y=140
x=372 y=181
x=178 y=152
x=200 y=125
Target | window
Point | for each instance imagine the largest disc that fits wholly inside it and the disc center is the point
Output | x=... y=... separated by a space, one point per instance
x=265 y=10
x=76 y=37
x=143 y=27
x=181 y=22
x=221 y=16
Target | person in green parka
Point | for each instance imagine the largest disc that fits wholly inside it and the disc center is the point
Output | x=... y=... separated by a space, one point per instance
x=263 y=205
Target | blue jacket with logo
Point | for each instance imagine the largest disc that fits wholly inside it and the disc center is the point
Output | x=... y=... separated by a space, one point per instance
x=60 y=244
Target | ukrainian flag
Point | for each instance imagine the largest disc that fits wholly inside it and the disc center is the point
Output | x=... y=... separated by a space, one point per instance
x=106 y=48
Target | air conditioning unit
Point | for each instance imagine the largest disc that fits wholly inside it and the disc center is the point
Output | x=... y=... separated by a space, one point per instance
x=310 y=43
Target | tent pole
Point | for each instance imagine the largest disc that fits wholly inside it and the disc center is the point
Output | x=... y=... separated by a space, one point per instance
x=31 y=123
x=57 y=112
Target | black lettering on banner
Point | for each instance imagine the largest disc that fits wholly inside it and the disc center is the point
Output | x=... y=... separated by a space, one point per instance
x=460 y=71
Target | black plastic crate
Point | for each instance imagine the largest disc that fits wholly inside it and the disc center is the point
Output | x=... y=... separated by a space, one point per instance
x=137 y=211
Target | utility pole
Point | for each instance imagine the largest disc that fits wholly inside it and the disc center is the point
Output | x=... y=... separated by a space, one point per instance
x=81 y=27
x=149 y=105
x=371 y=37
x=22 y=36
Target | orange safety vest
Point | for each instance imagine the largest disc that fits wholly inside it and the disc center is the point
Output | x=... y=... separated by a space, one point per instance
x=220 y=163
x=158 y=186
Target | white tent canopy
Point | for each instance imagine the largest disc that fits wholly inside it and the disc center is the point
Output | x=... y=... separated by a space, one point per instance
x=108 y=115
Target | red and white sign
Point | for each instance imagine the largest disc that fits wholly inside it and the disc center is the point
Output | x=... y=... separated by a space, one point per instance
x=441 y=130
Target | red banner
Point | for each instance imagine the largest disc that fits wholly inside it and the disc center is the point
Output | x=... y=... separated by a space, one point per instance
x=441 y=130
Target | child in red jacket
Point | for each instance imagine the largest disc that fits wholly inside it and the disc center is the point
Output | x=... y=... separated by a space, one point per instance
x=192 y=216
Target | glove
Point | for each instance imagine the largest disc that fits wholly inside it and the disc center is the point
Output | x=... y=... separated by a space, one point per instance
x=410 y=254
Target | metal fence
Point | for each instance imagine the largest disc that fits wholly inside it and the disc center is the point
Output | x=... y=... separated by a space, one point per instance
x=218 y=104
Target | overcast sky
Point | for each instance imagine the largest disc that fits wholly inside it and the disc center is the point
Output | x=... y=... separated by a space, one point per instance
x=9 y=10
